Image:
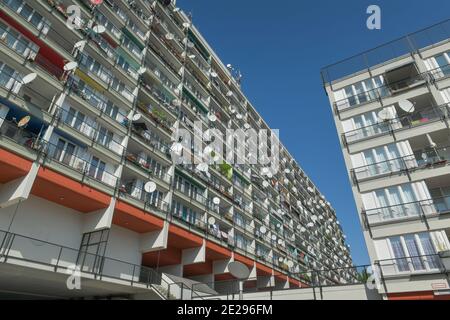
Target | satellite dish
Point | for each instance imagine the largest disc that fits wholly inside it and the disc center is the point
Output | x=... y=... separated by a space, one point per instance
x=192 y=56
x=274 y=237
x=238 y=270
x=99 y=29
x=170 y=36
x=407 y=106
x=142 y=70
x=186 y=24
x=137 y=117
x=29 y=78
x=280 y=259
x=80 y=44
x=214 y=74
x=23 y=122
x=216 y=200
x=177 y=148
x=247 y=126
x=280 y=241
x=385 y=114
x=190 y=44
x=287 y=171
x=70 y=66
x=202 y=167
x=303 y=229
x=212 y=117
x=176 y=103
x=310 y=225
x=290 y=264
x=263 y=229
x=211 y=220
x=229 y=93
x=150 y=187
x=265 y=184
x=232 y=110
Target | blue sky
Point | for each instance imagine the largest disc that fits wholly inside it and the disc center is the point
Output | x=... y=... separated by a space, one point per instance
x=280 y=47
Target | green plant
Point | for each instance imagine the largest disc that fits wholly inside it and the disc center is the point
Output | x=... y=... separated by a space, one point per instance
x=226 y=170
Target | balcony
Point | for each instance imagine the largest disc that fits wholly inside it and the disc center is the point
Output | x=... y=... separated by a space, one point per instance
x=17 y=42
x=25 y=252
x=394 y=83
x=130 y=190
x=415 y=265
x=406 y=211
x=88 y=169
x=429 y=158
x=91 y=130
x=420 y=117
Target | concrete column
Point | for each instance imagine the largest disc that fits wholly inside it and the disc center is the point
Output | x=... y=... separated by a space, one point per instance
x=18 y=190
x=156 y=240
x=194 y=255
x=100 y=219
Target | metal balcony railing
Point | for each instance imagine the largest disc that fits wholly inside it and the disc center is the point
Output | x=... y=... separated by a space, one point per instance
x=34 y=253
x=90 y=130
x=417 y=209
x=89 y=169
x=417 y=118
x=369 y=60
x=421 y=264
x=380 y=92
x=430 y=158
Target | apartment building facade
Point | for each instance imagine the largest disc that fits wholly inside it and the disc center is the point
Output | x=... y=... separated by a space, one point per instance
x=88 y=180
x=391 y=109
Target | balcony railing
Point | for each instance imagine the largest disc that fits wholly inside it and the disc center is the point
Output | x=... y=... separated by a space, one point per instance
x=17 y=43
x=417 y=118
x=22 y=250
x=430 y=158
x=411 y=210
x=138 y=193
x=78 y=123
x=380 y=92
x=423 y=264
x=98 y=101
x=87 y=168
x=146 y=165
x=199 y=198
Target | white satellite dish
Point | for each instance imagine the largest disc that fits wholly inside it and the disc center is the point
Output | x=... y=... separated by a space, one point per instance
x=150 y=187
x=229 y=93
x=70 y=66
x=170 y=36
x=142 y=70
x=239 y=116
x=385 y=114
x=302 y=229
x=274 y=237
x=314 y=218
x=216 y=200
x=137 y=117
x=270 y=175
x=211 y=220
x=29 y=78
x=280 y=241
x=280 y=259
x=247 y=126
x=99 y=29
x=214 y=74
x=176 y=102
x=177 y=148
x=238 y=270
x=202 y=167
x=290 y=264
x=186 y=24
x=192 y=56
x=310 y=225
x=80 y=44
x=190 y=44
x=263 y=229
x=232 y=110
x=212 y=117
x=407 y=106
x=265 y=184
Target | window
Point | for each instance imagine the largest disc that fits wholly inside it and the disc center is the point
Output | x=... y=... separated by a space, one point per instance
x=397 y=202
x=64 y=152
x=443 y=61
x=383 y=160
x=364 y=91
x=185 y=213
x=414 y=253
x=97 y=168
